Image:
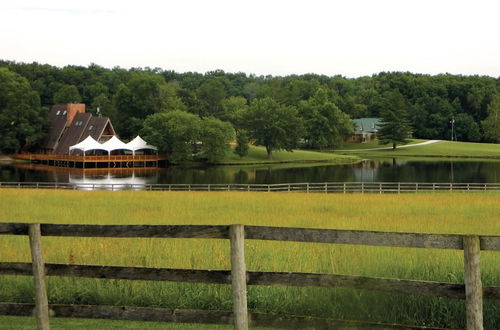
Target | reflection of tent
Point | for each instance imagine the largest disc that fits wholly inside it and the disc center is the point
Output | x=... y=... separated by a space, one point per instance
x=86 y=145
x=111 y=181
x=114 y=144
x=138 y=144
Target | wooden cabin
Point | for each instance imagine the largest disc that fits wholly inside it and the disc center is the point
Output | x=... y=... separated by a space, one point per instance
x=70 y=124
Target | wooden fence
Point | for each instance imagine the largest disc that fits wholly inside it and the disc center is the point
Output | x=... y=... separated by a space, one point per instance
x=324 y=187
x=472 y=290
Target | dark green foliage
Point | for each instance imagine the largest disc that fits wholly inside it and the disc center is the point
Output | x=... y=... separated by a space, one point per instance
x=326 y=126
x=274 y=125
x=174 y=133
x=491 y=125
x=466 y=129
x=395 y=127
x=215 y=136
x=23 y=122
x=129 y=96
x=67 y=94
x=241 y=143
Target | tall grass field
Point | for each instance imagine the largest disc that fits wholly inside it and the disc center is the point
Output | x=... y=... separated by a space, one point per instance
x=472 y=213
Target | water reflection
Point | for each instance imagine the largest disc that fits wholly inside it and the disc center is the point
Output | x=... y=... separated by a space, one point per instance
x=372 y=170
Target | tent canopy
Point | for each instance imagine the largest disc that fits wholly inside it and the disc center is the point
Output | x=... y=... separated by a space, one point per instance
x=112 y=144
x=88 y=144
x=138 y=143
x=115 y=144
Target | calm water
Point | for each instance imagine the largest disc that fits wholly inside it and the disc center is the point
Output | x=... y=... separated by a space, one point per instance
x=380 y=170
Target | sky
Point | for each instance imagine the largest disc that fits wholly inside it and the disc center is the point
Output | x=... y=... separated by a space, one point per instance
x=264 y=37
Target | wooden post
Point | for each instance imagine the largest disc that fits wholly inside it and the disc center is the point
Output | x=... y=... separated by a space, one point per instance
x=238 y=276
x=41 y=301
x=473 y=286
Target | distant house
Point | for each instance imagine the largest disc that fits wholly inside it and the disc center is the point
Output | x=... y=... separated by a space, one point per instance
x=70 y=124
x=365 y=130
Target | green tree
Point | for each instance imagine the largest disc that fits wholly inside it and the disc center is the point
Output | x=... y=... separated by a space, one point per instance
x=491 y=125
x=242 y=140
x=215 y=136
x=273 y=125
x=67 y=94
x=211 y=93
x=233 y=110
x=325 y=124
x=395 y=127
x=466 y=129
x=173 y=133
x=23 y=122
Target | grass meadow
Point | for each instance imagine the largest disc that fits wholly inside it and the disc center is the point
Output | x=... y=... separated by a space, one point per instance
x=438 y=149
x=258 y=155
x=472 y=213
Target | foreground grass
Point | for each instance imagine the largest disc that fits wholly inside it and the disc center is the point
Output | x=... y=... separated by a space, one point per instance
x=28 y=323
x=440 y=213
x=438 y=149
x=258 y=155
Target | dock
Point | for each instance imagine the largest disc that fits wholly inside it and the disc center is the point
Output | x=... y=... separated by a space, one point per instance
x=106 y=161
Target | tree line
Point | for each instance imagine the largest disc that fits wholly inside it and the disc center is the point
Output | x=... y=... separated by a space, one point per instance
x=177 y=111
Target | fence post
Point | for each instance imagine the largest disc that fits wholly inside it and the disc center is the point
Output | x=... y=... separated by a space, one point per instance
x=238 y=276
x=41 y=301
x=473 y=286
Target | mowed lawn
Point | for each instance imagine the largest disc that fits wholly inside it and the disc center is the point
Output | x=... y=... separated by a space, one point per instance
x=472 y=213
x=438 y=149
x=258 y=155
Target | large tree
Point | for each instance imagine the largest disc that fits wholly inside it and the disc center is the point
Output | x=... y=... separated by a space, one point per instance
x=491 y=125
x=326 y=125
x=215 y=136
x=173 y=133
x=273 y=125
x=395 y=127
x=22 y=121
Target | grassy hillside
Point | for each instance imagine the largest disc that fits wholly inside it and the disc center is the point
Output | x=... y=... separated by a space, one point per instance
x=438 y=149
x=441 y=213
x=258 y=155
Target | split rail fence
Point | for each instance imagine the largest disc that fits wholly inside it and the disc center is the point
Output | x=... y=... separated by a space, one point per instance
x=472 y=290
x=324 y=187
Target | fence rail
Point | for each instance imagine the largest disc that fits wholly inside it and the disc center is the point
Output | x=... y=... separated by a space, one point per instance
x=472 y=290
x=324 y=187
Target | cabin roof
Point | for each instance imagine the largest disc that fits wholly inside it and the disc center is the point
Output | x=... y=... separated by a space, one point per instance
x=64 y=134
x=366 y=125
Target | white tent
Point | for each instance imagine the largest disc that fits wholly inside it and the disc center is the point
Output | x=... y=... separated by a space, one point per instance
x=88 y=144
x=115 y=144
x=112 y=144
x=138 y=143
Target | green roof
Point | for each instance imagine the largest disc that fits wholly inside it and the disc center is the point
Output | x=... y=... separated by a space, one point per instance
x=366 y=125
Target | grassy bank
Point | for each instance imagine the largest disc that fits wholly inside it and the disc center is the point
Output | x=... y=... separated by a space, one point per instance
x=438 y=149
x=440 y=213
x=371 y=145
x=258 y=155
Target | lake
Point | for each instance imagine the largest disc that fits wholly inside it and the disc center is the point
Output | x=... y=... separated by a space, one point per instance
x=372 y=170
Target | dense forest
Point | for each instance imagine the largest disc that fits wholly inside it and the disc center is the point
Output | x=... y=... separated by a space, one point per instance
x=276 y=112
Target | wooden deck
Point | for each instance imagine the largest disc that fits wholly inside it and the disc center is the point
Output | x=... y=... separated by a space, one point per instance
x=94 y=161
